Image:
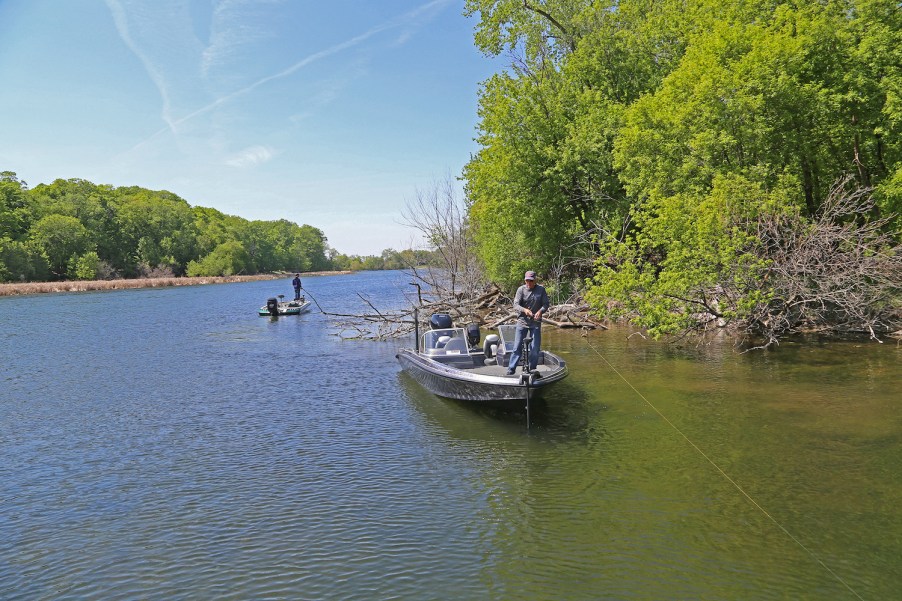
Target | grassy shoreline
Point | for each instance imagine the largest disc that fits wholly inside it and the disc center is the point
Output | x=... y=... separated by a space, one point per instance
x=16 y=289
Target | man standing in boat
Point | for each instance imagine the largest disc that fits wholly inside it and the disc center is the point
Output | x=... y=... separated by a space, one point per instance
x=296 y=282
x=530 y=302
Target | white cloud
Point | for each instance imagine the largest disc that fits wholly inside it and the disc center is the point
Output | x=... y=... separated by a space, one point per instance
x=235 y=25
x=250 y=157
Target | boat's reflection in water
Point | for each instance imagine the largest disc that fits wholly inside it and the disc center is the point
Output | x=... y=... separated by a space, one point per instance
x=565 y=411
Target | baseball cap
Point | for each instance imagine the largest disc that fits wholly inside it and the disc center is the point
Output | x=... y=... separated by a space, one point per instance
x=530 y=275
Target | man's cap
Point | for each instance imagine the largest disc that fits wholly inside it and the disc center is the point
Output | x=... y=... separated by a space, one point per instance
x=530 y=275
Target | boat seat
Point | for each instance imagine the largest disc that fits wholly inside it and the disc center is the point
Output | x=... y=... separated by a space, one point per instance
x=442 y=341
x=456 y=345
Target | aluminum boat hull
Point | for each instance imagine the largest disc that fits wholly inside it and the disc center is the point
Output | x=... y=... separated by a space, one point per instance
x=470 y=381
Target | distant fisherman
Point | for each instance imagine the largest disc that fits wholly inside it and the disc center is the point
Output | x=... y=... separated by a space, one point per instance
x=296 y=282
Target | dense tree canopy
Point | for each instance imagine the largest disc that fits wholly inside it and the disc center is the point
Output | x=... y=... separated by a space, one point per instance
x=73 y=229
x=645 y=143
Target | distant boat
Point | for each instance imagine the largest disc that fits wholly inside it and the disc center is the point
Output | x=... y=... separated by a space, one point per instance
x=276 y=307
x=448 y=362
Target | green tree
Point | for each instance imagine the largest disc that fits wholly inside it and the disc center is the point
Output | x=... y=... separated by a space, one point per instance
x=229 y=258
x=338 y=261
x=765 y=99
x=392 y=259
x=87 y=202
x=258 y=239
x=763 y=113
x=135 y=232
x=59 y=238
x=15 y=218
x=21 y=262
x=545 y=175
x=154 y=228
x=84 y=267
x=688 y=262
x=283 y=246
x=309 y=246
x=876 y=87
x=212 y=228
x=371 y=263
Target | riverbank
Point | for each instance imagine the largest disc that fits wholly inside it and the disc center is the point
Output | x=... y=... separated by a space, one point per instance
x=17 y=289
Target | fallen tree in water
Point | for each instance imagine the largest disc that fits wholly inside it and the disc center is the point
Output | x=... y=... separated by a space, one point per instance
x=456 y=286
x=761 y=270
x=489 y=309
x=838 y=273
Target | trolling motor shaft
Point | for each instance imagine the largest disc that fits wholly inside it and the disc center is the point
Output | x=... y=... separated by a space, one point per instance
x=524 y=352
x=525 y=347
x=525 y=376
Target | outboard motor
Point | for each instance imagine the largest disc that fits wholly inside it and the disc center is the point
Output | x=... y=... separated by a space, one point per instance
x=440 y=321
x=272 y=305
x=473 y=334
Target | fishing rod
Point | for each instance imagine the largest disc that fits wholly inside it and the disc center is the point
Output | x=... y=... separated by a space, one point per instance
x=307 y=293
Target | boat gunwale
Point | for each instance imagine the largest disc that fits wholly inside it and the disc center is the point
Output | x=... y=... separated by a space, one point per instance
x=439 y=368
x=285 y=309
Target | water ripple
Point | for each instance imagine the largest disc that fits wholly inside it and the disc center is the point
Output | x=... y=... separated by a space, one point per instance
x=191 y=449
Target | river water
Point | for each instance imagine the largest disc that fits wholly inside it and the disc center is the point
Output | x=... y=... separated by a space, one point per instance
x=171 y=444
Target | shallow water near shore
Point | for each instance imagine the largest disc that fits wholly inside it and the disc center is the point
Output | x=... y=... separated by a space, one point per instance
x=171 y=444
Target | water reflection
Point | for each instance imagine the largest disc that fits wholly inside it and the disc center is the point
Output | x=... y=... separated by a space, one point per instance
x=563 y=413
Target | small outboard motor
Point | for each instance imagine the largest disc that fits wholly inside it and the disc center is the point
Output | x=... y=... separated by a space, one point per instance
x=272 y=305
x=473 y=334
x=440 y=321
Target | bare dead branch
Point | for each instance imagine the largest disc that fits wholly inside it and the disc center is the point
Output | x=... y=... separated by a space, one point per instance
x=456 y=285
x=840 y=273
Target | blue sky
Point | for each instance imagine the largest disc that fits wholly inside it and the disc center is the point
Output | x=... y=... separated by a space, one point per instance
x=329 y=113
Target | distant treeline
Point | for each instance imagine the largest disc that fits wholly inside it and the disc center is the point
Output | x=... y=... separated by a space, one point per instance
x=76 y=230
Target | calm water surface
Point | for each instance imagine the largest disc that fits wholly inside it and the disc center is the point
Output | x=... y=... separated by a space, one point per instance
x=171 y=444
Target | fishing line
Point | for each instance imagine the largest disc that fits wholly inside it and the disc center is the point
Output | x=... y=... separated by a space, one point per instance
x=307 y=293
x=724 y=474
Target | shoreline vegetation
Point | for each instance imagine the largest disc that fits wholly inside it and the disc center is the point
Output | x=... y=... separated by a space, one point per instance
x=17 y=289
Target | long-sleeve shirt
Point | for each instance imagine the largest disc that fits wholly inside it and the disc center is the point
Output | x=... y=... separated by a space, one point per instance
x=533 y=300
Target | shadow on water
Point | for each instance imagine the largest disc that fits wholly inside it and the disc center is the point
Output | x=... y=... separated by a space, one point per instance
x=564 y=412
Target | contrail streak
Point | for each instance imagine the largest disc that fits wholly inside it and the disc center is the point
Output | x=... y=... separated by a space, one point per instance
x=397 y=22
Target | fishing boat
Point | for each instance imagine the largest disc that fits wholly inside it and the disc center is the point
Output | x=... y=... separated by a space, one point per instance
x=448 y=361
x=276 y=307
